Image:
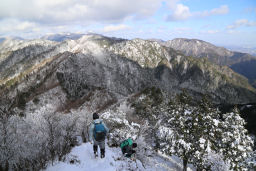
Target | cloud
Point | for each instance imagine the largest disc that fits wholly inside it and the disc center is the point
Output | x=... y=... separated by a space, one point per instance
x=25 y=25
x=233 y=32
x=213 y=31
x=73 y=11
x=218 y=11
x=210 y=31
x=16 y=25
x=112 y=28
x=240 y=23
x=181 y=30
x=182 y=12
x=28 y=16
x=26 y=29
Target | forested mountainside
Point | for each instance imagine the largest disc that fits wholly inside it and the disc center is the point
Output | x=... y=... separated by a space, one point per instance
x=126 y=65
x=217 y=55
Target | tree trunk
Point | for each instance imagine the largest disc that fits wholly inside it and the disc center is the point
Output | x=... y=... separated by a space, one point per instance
x=185 y=164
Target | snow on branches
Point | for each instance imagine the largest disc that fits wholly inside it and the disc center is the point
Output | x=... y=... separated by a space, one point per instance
x=199 y=134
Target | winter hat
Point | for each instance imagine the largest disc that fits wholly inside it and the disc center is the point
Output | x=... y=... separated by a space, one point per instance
x=95 y=116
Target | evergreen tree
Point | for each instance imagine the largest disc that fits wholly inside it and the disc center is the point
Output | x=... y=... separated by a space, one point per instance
x=193 y=130
x=196 y=133
x=252 y=160
x=199 y=135
x=235 y=143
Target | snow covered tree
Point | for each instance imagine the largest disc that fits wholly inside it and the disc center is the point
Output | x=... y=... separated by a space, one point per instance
x=7 y=133
x=190 y=132
x=252 y=160
x=29 y=141
x=4 y=139
x=195 y=133
x=235 y=142
x=149 y=103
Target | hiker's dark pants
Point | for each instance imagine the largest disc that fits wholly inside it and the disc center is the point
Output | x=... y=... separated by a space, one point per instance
x=128 y=151
x=101 y=144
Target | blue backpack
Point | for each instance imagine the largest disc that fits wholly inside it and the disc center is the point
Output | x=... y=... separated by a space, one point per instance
x=99 y=132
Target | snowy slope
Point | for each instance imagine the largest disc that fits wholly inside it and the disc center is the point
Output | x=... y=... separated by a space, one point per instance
x=114 y=161
x=14 y=44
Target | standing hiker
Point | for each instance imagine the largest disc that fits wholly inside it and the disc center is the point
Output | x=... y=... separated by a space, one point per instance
x=127 y=147
x=97 y=135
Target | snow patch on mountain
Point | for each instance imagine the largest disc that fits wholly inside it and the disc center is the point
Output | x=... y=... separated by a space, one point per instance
x=9 y=45
x=62 y=36
x=14 y=44
x=150 y=53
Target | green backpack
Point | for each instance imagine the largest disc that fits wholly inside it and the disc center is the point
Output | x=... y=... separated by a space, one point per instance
x=126 y=142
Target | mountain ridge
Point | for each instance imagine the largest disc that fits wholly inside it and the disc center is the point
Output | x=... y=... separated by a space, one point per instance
x=141 y=63
x=217 y=55
x=199 y=48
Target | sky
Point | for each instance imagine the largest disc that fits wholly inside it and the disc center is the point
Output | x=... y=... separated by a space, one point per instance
x=221 y=22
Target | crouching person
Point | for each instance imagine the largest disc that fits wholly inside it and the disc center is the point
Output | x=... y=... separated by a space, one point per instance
x=97 y=135
x=127 y=147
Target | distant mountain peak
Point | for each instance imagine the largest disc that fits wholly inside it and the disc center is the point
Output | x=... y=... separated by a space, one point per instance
x=200 y=48
x=59 y=37
x=215 y=54
x=156 y=40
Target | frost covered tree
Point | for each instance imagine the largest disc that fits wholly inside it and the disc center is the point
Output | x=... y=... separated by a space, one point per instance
x=149 y=103
x=235 y=145
x=5 y=152
x=252 y=160
x=193 y=131
x=29 y=141
x=59 y=132
x=7 y=133
x=198 y=136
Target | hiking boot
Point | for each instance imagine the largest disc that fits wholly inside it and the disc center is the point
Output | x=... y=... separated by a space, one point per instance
x=95 y=150
x=96 y=155
x=102 y=153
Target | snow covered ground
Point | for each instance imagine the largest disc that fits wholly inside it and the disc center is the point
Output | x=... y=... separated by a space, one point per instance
x=82 y=158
